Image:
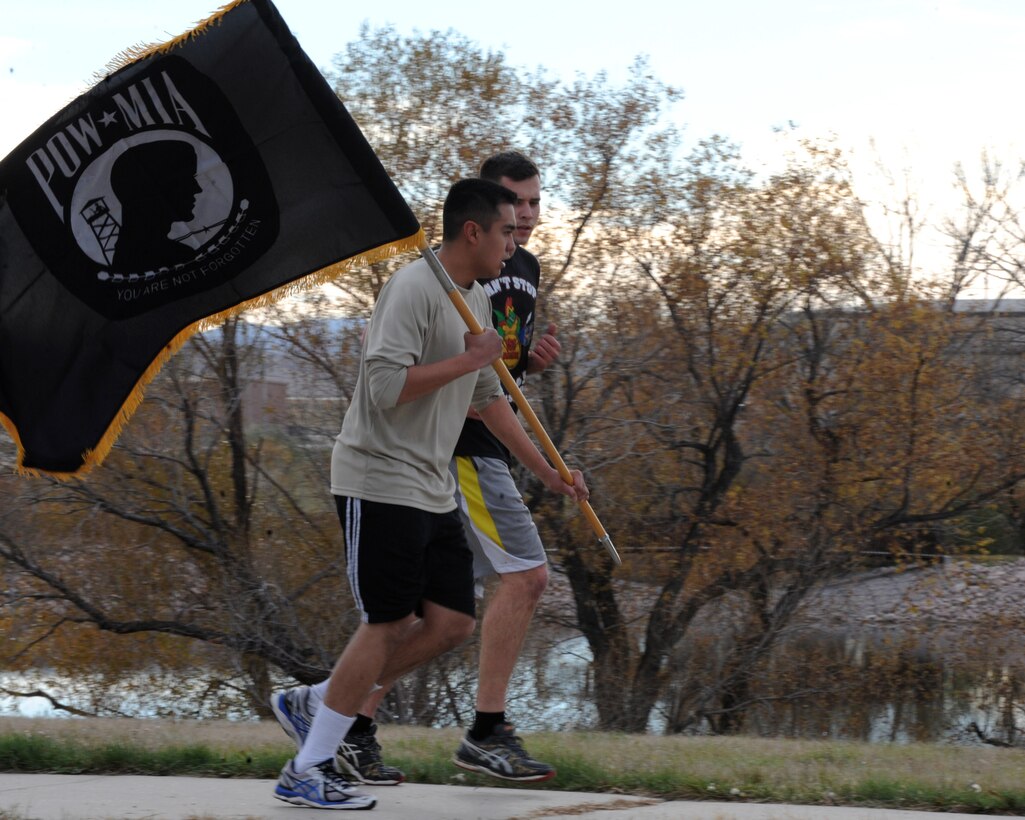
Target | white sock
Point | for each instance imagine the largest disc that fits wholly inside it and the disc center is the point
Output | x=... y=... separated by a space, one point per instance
x=327 y=731
x=317 y=692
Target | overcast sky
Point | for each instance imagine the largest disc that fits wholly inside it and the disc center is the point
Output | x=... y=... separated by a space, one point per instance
x=931 y=81
x=940 y=73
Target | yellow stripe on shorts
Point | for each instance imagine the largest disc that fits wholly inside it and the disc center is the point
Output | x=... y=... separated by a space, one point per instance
x=469 y=486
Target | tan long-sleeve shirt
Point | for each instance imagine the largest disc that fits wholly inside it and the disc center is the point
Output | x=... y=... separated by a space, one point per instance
x=399 y=453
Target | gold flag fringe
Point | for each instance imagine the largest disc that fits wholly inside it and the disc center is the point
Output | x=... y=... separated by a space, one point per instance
x=138 y=52
x=94 y=457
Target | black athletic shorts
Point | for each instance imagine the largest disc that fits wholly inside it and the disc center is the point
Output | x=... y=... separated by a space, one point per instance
x=400 y=556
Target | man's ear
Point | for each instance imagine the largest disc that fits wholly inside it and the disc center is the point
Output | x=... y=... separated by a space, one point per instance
x=471 y=232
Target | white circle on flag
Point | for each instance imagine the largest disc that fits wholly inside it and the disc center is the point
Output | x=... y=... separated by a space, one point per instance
x=95 y=210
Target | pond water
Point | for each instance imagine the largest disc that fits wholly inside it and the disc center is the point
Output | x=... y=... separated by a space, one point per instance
x=891 y=686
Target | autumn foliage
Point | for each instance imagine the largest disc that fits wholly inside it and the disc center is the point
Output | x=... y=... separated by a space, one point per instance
x=763 y=397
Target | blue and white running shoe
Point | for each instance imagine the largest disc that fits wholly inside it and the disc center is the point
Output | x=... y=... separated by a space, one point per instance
x=292 y=709
x=321 y=787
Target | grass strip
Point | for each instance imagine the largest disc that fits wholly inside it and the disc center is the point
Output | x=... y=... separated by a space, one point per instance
x=930 y=777
x=38 y=753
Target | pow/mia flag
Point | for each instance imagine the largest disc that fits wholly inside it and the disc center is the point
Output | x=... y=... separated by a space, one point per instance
x=209 y=174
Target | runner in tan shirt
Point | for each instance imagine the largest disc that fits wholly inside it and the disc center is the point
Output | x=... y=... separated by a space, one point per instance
x=409 y=565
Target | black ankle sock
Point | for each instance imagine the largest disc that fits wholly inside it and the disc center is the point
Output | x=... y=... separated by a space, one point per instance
x=484 y=723
x=362 y=724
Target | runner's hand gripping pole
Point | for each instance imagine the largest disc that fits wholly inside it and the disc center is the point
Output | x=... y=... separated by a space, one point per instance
x=518 y=397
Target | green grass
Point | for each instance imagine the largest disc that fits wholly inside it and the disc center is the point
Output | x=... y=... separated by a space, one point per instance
x=918 y=776
x=39 y=753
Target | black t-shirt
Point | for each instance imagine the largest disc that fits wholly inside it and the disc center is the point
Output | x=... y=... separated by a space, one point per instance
x=513 y=301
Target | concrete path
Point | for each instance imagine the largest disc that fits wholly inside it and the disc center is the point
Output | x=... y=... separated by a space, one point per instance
x=95 y=797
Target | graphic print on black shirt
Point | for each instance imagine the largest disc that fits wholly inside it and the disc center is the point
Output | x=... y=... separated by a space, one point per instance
x=513 y=297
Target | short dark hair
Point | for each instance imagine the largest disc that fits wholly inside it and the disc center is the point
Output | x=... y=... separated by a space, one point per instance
x=511 y=164
x=473 y=200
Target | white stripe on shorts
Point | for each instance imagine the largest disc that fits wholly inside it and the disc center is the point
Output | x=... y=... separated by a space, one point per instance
x=352 y=522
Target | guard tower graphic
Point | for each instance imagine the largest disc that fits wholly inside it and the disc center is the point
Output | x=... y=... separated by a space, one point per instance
x=105 y=228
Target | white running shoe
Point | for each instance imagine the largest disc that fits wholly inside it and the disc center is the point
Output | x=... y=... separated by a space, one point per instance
x=321 y=787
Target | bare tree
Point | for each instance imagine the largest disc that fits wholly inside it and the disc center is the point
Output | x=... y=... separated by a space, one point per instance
x=197 y=527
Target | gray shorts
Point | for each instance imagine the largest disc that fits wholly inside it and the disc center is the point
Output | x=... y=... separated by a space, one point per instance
x=499 y=527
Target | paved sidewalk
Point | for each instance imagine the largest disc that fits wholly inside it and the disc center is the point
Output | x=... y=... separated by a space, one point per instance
x=95 y=797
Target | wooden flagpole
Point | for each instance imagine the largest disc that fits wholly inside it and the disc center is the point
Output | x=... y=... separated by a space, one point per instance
x=521 y=401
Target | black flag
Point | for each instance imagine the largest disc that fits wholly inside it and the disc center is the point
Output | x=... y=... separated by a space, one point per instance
x=207 y=175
